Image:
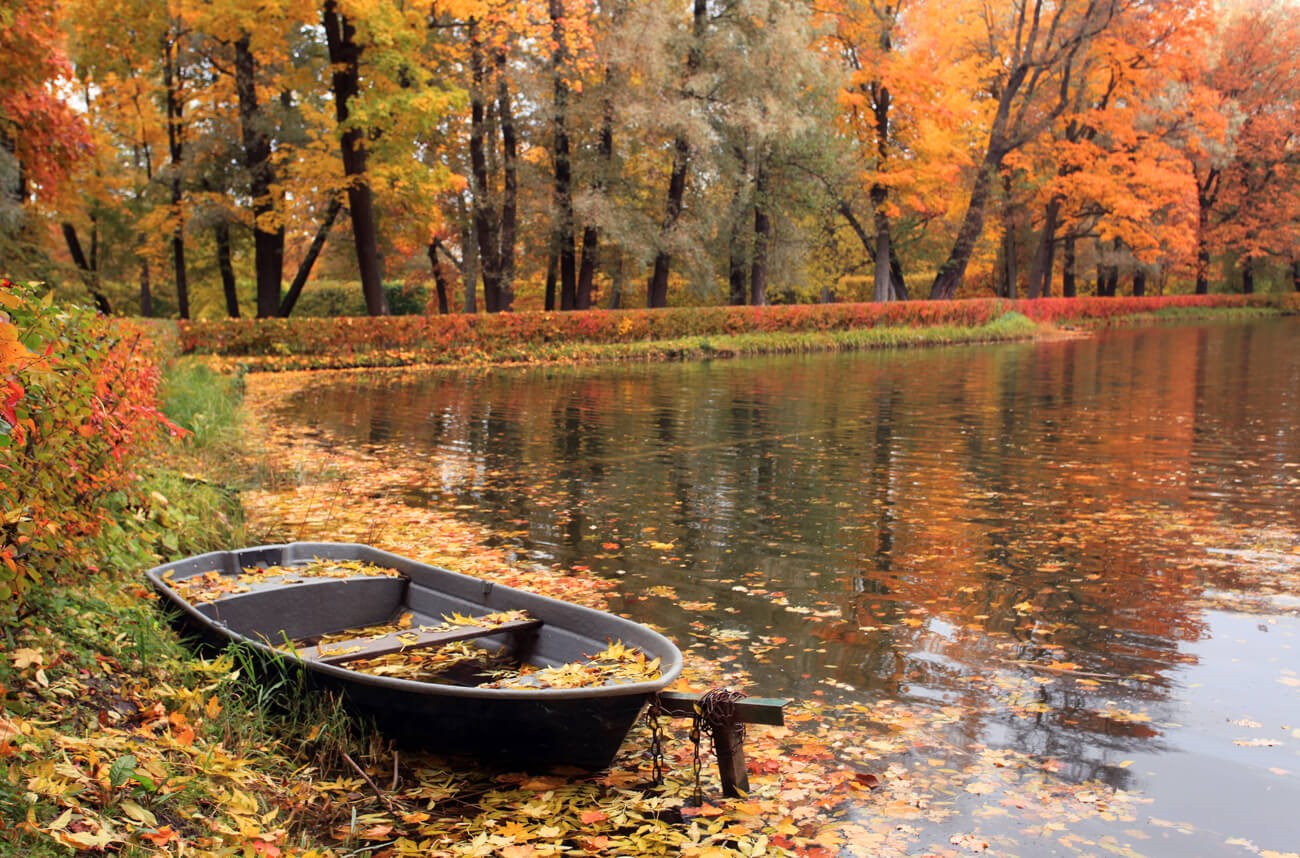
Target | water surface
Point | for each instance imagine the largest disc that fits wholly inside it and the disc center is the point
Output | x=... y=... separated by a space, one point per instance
x=1060 y=540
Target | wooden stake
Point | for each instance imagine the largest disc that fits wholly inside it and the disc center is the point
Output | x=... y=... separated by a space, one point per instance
x=729 y=737
x=729 y=743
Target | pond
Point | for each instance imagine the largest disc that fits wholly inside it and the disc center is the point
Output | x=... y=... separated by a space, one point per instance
x=1086 y=549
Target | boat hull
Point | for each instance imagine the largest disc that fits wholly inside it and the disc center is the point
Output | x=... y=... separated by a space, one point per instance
x=526 y=728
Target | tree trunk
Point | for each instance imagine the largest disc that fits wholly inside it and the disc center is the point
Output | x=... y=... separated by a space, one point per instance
x=268 y=241
x=888 y=283
x=737 y=275
x=762 y=238
x=345 y=79
x=509 y=189
x=1010 y=252
x=172 y=82
x=89 y=275
x=591 y=232
x=486 y=236
x=953 y=270
x=1248 y=276
x=618 y=282
x=657 y=290
x=1068 y=288
x=143 y=155
x=896 y=281
x=563 y=192
x=309 y=261
x=439 y=277
x=1207 y=192
x=1202 y=266
x=1295 y=275
x=226 y=267
x=552 y=268
x=471 y=261
x=1108 y=274
x=1040 y=272
x=1139 y=282
x=883 y=287
x=146 y=289
x=897 y=284
x=178 y=266
x=587 y=267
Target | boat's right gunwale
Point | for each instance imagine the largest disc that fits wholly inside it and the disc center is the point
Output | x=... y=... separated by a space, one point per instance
x=552 y=611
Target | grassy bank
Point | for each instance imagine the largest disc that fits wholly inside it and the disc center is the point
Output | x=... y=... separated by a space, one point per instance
x=113 y=736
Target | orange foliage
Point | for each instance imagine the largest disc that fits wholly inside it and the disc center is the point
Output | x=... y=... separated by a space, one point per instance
x=40 y=130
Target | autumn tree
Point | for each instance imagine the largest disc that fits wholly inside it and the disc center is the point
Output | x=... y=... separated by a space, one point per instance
x=345 y=83
x=1109 y=167
x=1245 y=158
x=41 y=138
x=692 y=89
x=864 y=35
x=1032 y=50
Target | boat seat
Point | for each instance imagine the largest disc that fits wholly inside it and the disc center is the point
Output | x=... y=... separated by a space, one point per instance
x=339 y=652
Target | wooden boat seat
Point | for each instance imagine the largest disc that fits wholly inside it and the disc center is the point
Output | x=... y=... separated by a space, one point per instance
x=340 y=652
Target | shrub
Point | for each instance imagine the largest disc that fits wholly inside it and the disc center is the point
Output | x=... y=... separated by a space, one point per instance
x=329 y=300
x=78 y=410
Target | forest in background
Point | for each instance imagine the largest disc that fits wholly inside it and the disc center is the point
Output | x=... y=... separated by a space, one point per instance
x=201 y=159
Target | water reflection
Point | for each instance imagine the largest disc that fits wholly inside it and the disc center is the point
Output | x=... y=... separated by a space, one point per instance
x=1011 y=529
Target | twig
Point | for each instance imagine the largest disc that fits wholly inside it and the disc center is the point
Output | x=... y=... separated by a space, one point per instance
x=383 y=796
x=368 y=849
x=395 y=777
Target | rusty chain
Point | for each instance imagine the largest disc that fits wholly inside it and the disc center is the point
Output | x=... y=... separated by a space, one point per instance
x=715 y=711
x=654 y=716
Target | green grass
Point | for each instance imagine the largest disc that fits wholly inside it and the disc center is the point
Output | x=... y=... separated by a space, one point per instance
x=1009 y=327
x=204 y=402
x=1226 y=314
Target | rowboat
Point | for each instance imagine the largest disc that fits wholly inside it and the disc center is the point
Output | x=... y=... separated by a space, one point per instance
x=440 y=660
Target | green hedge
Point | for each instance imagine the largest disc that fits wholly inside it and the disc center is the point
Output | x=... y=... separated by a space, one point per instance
x=328 y=300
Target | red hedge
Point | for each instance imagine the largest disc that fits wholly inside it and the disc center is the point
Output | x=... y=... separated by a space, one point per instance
x=460 y=337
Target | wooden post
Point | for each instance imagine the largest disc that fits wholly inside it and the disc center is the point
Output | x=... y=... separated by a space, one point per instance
x=729 y=735
x=729 y=742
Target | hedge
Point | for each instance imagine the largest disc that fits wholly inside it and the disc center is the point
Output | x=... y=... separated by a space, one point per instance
x=78 y=411
x=457 y=338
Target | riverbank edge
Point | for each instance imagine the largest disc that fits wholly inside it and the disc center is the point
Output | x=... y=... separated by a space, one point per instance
x=270 y=345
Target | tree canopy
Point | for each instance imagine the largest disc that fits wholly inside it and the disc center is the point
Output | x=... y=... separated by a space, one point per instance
x=197 y=159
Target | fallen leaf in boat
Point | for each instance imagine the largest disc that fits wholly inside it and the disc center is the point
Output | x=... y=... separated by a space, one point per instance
x=212 y=585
